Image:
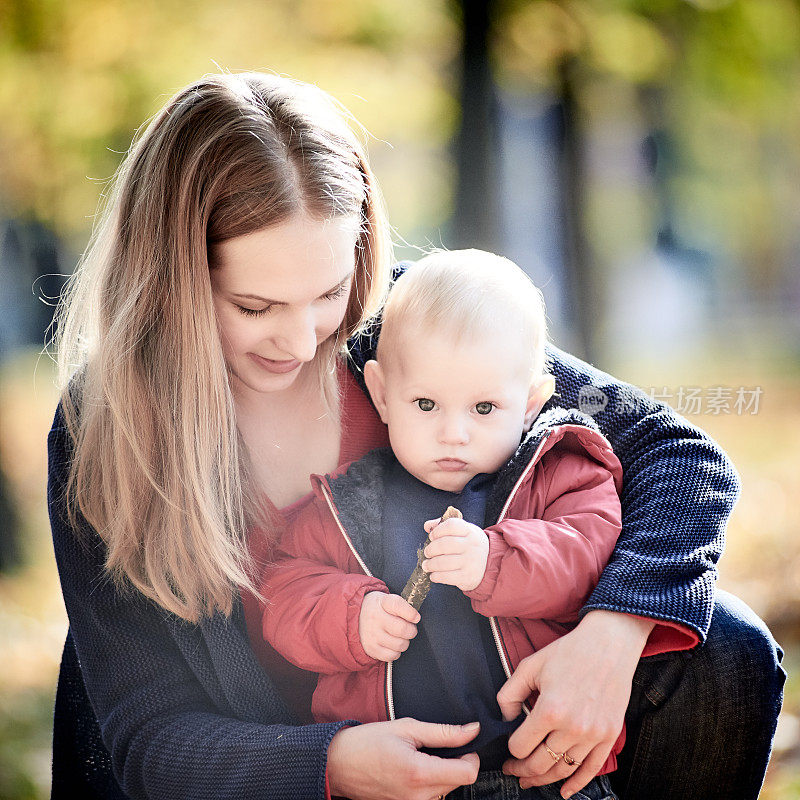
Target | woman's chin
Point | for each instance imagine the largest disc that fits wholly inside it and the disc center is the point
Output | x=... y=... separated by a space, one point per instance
x=262 y=382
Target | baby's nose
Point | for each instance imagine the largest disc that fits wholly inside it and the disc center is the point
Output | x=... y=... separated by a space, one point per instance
x=454 y=430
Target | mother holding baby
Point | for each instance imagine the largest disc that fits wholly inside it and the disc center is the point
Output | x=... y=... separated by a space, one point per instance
x=211 y=349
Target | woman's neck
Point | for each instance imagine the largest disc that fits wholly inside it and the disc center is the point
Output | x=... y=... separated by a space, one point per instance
x=303 y=392
x=289 y=435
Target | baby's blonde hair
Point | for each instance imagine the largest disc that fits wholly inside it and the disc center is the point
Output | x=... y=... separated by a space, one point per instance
x=465 y=293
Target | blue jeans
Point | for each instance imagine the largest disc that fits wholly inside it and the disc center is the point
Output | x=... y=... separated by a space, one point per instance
x=700 y=723
x=496 y=786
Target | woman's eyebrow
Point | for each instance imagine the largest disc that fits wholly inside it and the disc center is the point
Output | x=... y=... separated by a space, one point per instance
x=267 y=300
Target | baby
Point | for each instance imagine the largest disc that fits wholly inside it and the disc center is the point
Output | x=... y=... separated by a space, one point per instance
x=460 y=381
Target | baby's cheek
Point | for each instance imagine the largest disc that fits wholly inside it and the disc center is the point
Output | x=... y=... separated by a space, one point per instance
x=504 y=447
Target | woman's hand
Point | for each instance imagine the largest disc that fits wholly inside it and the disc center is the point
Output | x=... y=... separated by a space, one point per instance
x=381 y=760
x=584 y=685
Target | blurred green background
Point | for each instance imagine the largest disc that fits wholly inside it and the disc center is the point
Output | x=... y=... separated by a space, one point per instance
x=638 y=159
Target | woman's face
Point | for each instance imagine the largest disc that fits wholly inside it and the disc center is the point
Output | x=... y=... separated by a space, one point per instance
x=278 y=293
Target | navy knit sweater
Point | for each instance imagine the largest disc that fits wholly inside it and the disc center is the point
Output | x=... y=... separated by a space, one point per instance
x=186 y=711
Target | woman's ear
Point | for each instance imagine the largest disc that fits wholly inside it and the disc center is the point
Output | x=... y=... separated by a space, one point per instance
x=374 y=378
x=540 y=392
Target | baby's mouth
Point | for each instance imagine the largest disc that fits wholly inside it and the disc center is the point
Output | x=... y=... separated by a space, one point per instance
x=451 y=464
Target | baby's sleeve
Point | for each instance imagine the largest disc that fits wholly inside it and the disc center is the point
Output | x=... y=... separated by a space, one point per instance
x=545 y=567
x=313 y=592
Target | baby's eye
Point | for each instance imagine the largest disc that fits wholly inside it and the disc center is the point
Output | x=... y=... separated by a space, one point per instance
x=425 y=404
x=484 y=408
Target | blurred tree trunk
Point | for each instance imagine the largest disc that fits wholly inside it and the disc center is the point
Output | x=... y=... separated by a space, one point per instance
x=9 y=529
x=584 y=299
x=476 y=218
x=476 y=221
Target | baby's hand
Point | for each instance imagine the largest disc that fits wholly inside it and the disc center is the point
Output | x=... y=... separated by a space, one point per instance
x=457 y=554
x=386 y=625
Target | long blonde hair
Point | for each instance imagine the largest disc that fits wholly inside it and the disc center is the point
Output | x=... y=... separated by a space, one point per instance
x=158 y=467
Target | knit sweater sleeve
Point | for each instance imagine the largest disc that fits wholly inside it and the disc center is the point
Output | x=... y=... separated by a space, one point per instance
x=173 y=728
x=678 y=491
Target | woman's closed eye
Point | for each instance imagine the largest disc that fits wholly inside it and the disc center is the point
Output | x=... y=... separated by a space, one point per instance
x=253 y=312
x=334 y=294
x=340 y=290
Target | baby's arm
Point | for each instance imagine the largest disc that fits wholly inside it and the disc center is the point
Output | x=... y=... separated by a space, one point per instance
x=313 y=604
x=546 y=567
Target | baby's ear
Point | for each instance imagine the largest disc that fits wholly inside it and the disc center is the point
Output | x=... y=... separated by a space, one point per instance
x=374 y=378
x=541 y=391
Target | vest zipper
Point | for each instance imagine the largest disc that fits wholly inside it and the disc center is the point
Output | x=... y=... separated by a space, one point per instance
x=498 y=638
x=388 y=695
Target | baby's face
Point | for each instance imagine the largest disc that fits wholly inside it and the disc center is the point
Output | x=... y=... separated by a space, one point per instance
x=455 y=410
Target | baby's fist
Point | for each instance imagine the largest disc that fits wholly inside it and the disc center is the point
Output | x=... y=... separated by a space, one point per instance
x=386 y=624
x=457 y=554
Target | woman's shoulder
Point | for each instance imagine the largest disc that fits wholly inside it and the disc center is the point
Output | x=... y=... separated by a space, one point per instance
x=59 y=441
x=61 y=437
x=573 y=373
x=68 y=411
x=361 y=346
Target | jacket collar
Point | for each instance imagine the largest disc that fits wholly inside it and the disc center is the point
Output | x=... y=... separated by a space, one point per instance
x=546 y=426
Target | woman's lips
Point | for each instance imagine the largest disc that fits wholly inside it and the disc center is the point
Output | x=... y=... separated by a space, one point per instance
x=451 y=464
x=277 y=367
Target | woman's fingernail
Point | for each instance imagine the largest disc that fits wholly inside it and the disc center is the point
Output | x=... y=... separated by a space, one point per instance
x=472 y=726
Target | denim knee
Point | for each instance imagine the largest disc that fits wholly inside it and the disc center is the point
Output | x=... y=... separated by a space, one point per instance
x=740 y=646
x=701 y=722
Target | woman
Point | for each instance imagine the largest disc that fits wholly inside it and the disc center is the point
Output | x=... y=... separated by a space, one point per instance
x=243 y=245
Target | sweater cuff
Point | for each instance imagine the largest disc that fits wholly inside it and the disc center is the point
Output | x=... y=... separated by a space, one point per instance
x=328 y=796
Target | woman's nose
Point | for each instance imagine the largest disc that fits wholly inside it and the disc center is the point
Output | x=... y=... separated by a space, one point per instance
x=454 y=430
x=297 y=335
